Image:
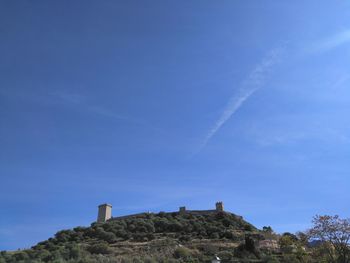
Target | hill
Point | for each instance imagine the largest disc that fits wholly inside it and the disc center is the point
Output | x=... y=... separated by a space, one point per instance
x=148 y=237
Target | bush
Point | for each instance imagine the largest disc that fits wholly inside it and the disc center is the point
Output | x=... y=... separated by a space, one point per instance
x=182 y=253
x=270 y=259
x=249 y=244
x=225 y=255
x=150 y=260
x=248 y=228
x=109 y=237
x=101 y=248
x=21 y=256
x=74 y=252
x=142 y=228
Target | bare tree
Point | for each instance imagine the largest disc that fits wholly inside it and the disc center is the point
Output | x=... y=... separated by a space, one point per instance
x=334 y=234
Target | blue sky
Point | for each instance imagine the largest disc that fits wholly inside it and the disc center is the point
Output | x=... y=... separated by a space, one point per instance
x=151 y=105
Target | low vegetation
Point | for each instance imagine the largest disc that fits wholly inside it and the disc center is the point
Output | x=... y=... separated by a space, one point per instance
x=171 y=237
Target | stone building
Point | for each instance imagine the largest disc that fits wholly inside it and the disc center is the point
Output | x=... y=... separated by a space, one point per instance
x=182 y=210
x=104 y=213
x=219 y=206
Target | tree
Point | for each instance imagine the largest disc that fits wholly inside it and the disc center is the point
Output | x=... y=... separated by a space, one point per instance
x=267 y=229
x=268 y=233
x=334 y=234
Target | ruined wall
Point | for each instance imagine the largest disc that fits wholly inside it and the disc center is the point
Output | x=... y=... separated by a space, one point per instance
x=105 y=212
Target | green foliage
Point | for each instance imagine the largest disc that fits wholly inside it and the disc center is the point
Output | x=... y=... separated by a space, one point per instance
x=270 y=259
x=97 y=242
x=334 y=234
x=226 y=255
x=99 y=248
x=267 y=229
x=183 y=253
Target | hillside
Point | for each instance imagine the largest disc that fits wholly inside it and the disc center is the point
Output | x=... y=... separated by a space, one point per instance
x=162 y=237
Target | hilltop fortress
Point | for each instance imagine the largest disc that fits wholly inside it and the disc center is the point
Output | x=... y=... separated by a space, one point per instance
x=105 y=212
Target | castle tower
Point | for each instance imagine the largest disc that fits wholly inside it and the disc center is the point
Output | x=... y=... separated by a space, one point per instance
x=182 y=210
x=219 y=206
x=104 y=213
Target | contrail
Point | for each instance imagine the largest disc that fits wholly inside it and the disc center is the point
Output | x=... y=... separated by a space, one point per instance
x=254 y=81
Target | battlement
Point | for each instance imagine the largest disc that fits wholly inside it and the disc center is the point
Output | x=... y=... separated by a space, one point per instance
x=219 y=207
x=105 y=212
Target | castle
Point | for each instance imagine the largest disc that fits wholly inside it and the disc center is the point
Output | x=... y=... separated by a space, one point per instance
x=105 y=212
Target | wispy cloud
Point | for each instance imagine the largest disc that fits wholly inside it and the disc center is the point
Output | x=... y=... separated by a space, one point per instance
x=330 y=42
x=106 y=113
x=254 y=81
x=281 y=138
x=82 y=102
x=266 y=137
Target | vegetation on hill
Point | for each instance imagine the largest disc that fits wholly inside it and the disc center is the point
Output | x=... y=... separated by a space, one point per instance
x=147 y=237
x=171 y=237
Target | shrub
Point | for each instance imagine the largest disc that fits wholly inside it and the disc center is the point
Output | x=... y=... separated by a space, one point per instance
x=249 y=244
x=100 y=248
x=182 y=253
x=225 y=255
x=21 y=256
x=149 y=260
x=270 y=259
x=248 y=228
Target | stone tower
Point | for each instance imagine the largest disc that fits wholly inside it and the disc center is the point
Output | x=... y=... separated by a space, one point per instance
x=219 y=206
x=104 y=213
x=182 y=210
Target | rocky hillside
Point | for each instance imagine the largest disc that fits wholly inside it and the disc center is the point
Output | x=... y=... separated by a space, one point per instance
x=162 y=237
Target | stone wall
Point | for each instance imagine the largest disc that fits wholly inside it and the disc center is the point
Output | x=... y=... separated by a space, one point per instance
x=105 y=212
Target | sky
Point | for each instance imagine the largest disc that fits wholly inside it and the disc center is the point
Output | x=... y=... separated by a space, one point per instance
x=152 y=105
